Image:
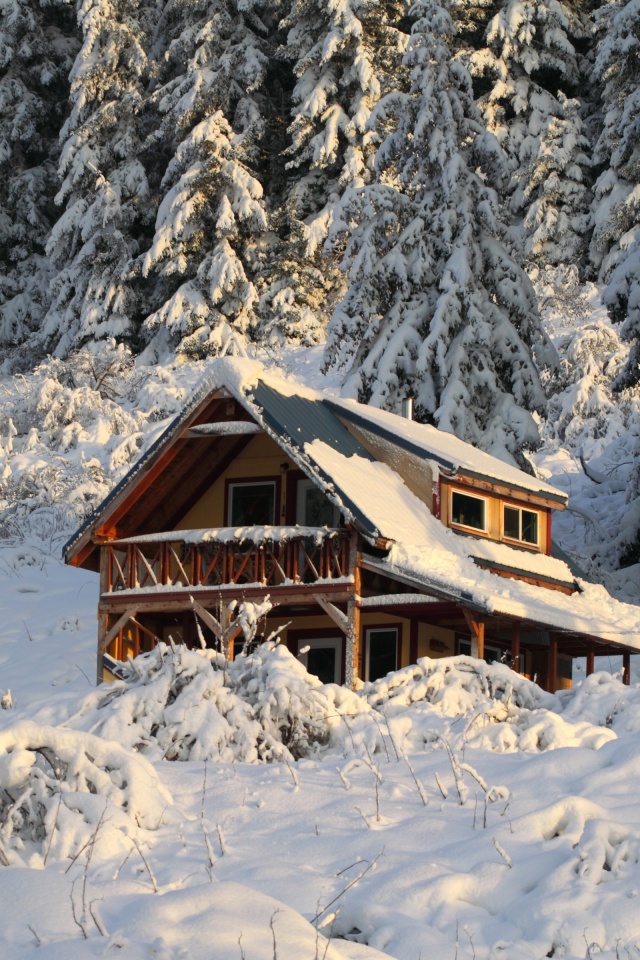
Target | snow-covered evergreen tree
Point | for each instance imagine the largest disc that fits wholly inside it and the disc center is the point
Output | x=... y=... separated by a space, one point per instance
x=346 y=55
x=205 y=224
x=38 y=43
x=104 y=188
x=558 y=217
x=437 y=309
x=524 y=74
x=212 y=220
x=616 y=242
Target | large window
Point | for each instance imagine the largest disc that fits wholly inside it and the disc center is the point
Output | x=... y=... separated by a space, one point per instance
x=468 y=511
x=252 y=504
x=313 y=507
x=522 y=525
x=322 y=656
x=381 y=652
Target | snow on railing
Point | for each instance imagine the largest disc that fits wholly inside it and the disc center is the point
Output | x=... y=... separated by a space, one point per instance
x=177 y=560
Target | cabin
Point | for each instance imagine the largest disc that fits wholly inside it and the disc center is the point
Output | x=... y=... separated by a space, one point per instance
x=377 y=540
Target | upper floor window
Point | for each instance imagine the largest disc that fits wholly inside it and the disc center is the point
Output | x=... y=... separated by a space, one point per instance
x=468 y=511
x=252 y=504
x=520 y=524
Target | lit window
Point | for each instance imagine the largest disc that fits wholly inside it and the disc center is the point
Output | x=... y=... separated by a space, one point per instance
x=252 y=504
x=520 y=524
x=467 y=511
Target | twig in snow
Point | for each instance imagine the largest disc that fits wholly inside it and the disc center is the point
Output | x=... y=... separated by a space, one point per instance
x=149 y=871
x=38 y=939
x=223 y=847
x=53 y=829
x=348 y=886
x=117 y=873
x=391 y=737
x=27 y=629
x=384 y=742
x=94 y=837
x=294 y=776
x=364 y=818
x=347 y=783
x=78 y=667
x=473 y=949
x=421 y=791
x=243 y=955
x=273 y=935
x=443 y=790
x=207 y=841
x=96 y=920
x=505 y=856
x=74 y=914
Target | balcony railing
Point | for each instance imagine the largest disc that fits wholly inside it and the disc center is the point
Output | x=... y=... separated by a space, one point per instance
x=272 y=556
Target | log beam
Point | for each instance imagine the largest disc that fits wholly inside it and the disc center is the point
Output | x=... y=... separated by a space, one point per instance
x=339 y=618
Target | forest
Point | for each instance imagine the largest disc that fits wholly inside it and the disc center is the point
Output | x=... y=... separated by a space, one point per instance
x=441 y=198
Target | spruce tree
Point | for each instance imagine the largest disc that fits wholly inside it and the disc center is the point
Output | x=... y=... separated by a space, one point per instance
x=437 y=308
x=38 y=43
x=104 y=188
x=199 y=271
x=523 y=75
x=557 y=218
x=616 y=242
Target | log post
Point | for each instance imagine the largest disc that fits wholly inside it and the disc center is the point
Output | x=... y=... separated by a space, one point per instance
x=552 y=667
x=591 y=660
x=626 y=668
x=352 y=657
x=476 y=626
x=103 y=619
x=515 y=648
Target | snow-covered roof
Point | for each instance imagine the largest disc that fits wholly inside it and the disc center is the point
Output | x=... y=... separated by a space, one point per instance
x=308 y=426
x=450 y=453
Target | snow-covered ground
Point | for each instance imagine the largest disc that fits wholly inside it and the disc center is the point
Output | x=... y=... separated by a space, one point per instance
x=448 y=811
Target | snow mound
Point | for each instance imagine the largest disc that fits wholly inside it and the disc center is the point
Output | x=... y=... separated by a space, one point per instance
x=61 y=788
x=180 y=704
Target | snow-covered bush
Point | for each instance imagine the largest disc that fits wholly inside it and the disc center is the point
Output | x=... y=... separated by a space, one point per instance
x=502 y=711
x=58 y=788
x=195 y=705
x=69 y=430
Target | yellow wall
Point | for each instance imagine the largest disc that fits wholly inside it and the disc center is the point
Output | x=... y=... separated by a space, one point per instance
x=262 y=457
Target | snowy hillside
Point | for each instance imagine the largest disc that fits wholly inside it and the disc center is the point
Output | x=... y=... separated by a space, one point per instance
x=451 y=809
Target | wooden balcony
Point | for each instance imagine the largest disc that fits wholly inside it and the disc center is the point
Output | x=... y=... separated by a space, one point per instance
x=267 y=557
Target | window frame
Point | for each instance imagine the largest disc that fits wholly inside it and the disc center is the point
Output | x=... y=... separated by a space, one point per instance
x=489 y=648
x=232 y=482
x=379 y=628
x=297 y=639
x=532 y=544
x=485 y=531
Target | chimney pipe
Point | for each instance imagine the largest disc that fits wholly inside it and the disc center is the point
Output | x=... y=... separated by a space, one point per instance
x=407 y=408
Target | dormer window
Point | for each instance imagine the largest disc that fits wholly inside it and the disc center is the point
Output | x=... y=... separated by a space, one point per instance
x=521 y=525
x=468 y=511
